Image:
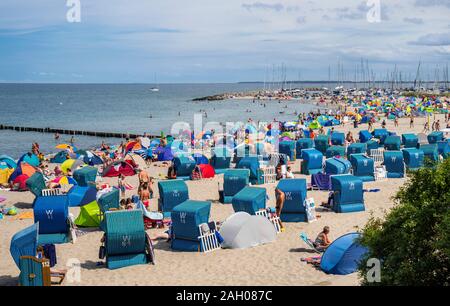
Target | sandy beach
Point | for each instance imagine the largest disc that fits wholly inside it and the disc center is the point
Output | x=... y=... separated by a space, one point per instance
x=276 y=263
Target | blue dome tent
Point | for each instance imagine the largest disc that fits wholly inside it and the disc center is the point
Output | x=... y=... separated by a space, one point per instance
x=343 y=255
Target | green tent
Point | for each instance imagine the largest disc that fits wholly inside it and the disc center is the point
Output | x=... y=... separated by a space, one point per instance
x=89 y=215
x=315 y=125
x=36 y=183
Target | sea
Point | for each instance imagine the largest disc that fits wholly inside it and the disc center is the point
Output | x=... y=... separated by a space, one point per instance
x=125 y=108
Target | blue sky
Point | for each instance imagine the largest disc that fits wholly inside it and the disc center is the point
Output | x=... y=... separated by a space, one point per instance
x=216 y=41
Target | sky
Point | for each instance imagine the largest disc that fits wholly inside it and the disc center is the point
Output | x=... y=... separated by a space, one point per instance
x=205 y=41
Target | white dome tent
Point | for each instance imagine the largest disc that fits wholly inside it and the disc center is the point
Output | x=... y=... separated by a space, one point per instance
x=242 y=230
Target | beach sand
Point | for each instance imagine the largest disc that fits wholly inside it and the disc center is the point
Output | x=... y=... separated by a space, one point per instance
x=277 y=263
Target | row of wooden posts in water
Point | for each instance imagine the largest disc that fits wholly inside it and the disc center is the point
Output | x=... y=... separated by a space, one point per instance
x=71 y=132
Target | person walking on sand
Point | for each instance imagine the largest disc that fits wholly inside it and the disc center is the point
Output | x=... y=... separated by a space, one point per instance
x=411 y=121
x=121 y=185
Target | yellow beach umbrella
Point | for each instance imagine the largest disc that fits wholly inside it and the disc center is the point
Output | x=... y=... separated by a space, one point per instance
x=64 y=146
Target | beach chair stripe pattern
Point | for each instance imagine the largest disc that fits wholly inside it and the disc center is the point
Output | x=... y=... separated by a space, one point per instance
x=275 y=220
x=274 y=158
x=208 y=240
x=269 y=174
x=52 y=192
x=377 y=156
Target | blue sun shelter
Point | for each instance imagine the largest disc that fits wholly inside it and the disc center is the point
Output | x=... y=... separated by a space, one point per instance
x=365 y=136
x=171 y=194
x=234 y=180
x=413 y=158
x=348 y=193
x=312 y=162
x=303 y=143
x=394 y=163
x=410 y=140
x=344 y=255
x=200 y=159
x=392 y=143
x=288 y=148
x=80 y=196
x=338 y=139
x=250 y=200
x=186 y=218
x=363 y=167
x=335 y=166
x=356 y=148
x=295 y=195
x=221 y=159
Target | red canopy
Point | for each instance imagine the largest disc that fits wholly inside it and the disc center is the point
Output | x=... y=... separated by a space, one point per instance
x=207 y=171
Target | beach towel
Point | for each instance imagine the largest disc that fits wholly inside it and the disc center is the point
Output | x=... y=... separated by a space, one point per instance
x=24 y=215
x=321 y=181
x=372 y=190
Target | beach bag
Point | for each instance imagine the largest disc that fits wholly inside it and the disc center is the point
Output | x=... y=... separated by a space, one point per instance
x=196 y=174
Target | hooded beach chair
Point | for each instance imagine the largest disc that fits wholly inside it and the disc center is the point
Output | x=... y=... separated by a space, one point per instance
x=55 y=225
x=125 y=240
x=108 y=202
x=33 y=271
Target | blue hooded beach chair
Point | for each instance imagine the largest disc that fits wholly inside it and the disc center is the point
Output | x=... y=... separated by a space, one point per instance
x=23 y=249
x=295 y=195
x=126 y=242
x=234 y=180
x=52 y=213
x=171 y=193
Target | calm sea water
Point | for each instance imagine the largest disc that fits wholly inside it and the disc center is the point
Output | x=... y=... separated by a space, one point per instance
x=127 y=108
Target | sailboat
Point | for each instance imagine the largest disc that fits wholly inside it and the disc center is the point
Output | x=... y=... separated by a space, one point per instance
x=155 y=88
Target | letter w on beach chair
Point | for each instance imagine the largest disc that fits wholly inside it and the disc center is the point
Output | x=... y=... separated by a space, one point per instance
x=310 y=243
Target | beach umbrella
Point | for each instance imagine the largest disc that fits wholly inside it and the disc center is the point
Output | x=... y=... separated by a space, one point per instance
x=24 y=243
x=71 y=164
x=65 y=180
x=64 y=146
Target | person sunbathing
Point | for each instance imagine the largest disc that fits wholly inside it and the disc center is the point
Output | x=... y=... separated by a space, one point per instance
x=322 y=241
